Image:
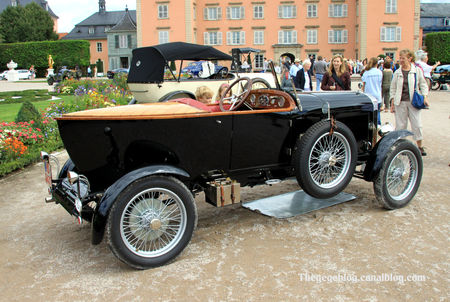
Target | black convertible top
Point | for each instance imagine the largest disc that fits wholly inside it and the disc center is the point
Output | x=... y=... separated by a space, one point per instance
x=148 y=63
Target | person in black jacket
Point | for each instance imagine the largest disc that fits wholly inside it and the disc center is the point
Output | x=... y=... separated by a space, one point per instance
x=304 y=77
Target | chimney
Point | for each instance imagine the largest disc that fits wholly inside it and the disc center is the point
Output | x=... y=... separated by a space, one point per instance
x=101 y=6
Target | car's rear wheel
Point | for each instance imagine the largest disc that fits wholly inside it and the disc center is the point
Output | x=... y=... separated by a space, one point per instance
x=400 y=175
x=435 y=85
x=324 y=161
x=151 y=222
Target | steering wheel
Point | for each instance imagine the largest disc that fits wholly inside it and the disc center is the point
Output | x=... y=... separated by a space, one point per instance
x=236 y=100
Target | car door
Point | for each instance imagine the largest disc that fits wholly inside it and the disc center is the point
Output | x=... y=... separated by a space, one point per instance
x=260 y=139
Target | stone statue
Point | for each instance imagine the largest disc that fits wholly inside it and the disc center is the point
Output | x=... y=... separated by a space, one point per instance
x=50 y=62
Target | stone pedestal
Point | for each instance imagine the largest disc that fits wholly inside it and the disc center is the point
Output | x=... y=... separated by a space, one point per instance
x=50 y=71
x=13 y=76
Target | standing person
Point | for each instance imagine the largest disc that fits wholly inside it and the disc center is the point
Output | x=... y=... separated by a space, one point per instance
x=405 y=79
x=285 y=79
x=89 y=72
x=32 y=71
x=386 y=85
x=320 y=68
x=294 y=69
x=265 y=64
x=372 y=79
x=304 y=77
x=336 y=77
x=422 y=61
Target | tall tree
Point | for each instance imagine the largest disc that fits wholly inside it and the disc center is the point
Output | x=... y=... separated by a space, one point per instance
x=24 y=24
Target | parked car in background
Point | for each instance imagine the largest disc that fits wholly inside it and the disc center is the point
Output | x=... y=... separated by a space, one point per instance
x=203 y=69
x=441 y=75
x=24 y=74
x=112 y=73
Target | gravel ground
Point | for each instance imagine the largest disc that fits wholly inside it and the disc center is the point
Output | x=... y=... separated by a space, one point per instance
x=239 y=255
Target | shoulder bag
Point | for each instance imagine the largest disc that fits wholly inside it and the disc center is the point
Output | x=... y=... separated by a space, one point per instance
x=417 y=100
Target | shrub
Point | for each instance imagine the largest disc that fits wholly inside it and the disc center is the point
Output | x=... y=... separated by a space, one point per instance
x=438 y=47
x=29 y=113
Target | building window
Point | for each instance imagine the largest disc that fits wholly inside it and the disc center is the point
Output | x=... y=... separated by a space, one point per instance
x=107 y=28
x=259 y=61
x=212 y=13
x=287 y=37
x=163 y=11
x=163 y=36
x=287 y=11
x=13 y=2
x=123 y=42
x=236 y=37
x=337 y=10
x=391 y=6
x=447 y=22
x=258 y=12
x=99 y=47
x=212 y=38
x=337 y=36
x=258 y=37
x=312 y=11
x=311 y=36
x=390 y=34
x=194 y=12
x=235 y=12
x=91 y=30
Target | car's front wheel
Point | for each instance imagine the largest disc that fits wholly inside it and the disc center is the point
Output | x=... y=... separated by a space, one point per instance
x=400 y=175
x=325 y=160
x=151 y=222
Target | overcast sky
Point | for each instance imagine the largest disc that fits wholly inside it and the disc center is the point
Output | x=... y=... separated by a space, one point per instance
x=71 y=12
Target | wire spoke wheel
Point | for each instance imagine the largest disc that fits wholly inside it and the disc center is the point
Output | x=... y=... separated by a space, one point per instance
x=153 y=222
x=402 y=175
x=329 y=160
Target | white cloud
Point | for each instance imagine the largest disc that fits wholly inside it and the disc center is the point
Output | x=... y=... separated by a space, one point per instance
x=73 y=12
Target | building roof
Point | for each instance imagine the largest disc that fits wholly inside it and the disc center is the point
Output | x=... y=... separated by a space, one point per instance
x=43 y=3
x=101 y=22
x=435 y=10
x=125 y=24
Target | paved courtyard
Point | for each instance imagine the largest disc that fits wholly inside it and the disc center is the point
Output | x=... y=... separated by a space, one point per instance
x=238 y=255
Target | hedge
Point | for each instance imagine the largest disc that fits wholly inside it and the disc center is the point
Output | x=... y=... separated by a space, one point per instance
x=438 y=47
x=64 y=53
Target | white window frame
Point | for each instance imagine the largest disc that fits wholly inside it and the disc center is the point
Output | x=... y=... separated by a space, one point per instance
x=99 y=47
x=259 y=61
x=337 y=36
x=14 y=3
x=390 y=34
x=212 y=38
x=311 y=36
x=235 y=12
x=446 y=21
x=91 y=30
x=338 y=10
x=163 y=11
x=163 y=36
x=258 y=11
x=287 y=37
x=123 y=41
x=212 y=13
x=391 y=7
x=311 y=11
x=258 y=37
x=287 y=11
x=235 y=37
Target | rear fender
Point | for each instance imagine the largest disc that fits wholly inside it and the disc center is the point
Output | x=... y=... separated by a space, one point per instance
x=378 y=154
x=100 y=216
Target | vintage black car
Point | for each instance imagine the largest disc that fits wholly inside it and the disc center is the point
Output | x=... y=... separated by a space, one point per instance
x=63 y=74
x=134 y=170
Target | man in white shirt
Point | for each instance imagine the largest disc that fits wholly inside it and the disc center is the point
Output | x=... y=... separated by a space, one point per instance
x=294 y=69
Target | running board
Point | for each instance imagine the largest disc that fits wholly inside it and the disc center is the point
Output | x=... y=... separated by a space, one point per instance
x=294 y=203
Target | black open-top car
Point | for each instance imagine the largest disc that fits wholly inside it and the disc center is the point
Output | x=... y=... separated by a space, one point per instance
x=134 y=170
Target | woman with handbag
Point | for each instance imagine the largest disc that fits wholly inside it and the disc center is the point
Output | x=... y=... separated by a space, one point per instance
x=337 y=76
x=408 y=80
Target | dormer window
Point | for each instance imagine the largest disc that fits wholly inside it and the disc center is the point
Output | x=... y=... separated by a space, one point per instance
x=13 y=2
x=107 y=28
x=447 y=22
x=91 y=30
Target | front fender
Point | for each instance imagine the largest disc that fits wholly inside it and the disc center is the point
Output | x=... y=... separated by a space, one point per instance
x=100 y=215
x=378 y=154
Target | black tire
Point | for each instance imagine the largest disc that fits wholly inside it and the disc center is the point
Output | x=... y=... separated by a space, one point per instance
x=402 y=158
x=259 y=83
x=324 y=164
x=435 y=85
x=50 y=81
x=151 y=222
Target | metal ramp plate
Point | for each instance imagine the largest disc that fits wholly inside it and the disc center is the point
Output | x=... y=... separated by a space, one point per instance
x=294 y=203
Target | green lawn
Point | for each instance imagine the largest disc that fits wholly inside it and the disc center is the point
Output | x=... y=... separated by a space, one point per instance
x=8 y=112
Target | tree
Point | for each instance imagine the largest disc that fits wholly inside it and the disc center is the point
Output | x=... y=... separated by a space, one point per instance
x=26 y=23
